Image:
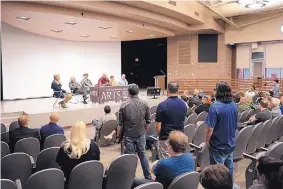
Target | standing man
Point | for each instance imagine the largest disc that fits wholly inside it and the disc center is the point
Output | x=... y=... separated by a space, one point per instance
x=134 y=120
x=123 y=80
x=103 y=80
x=86 y=83
x=221 y=128
x=76 y=88
x=170 y=116
x=276 y=89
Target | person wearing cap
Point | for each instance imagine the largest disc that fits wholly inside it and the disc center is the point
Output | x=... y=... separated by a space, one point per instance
x=134 y=121
x=103 y=80
x=86 y=83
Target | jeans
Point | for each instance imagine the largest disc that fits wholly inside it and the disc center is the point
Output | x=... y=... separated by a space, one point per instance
x=133 y=145
x=216 y=157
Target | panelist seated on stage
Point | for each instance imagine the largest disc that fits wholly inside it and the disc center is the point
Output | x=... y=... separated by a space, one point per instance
x=86 y=83
x=76 y=88
x=112 y=81
x=58 y=92
x=123 y=80
x=103 y=81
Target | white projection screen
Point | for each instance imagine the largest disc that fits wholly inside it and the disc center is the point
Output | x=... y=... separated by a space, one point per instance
x=30 y=61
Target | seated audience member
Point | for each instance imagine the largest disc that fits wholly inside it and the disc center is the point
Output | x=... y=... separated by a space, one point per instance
x=112 y=81
x=274 y=107
x=51 y=128
x=250 y=93
x=76 y=88
x=281 y=102
x=123 y=81
x=106 y=117
x=263 y=115
x=76 y=150
x=270 y=172
x=196 y=97
x=243 y=105
x=22 y=132
x=237 y=98
x=58 y=92
x=103 y=80
x=213 y=96
x=204 y=107
x=178 y=163
x=187 y=92
x=276 y=89
x=217 y=177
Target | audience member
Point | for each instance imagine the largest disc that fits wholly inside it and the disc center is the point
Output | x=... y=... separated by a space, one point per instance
x=274 y=106
x=204 y=107
x=134 y=121
x=76 y=150
x=213 y=96
x=237 y=97
x=187 y=92
x=86 y=83
x=243 y=105
x=123 y=81
x=250 y=93
x=217 y=177
x=51 y=128
x=106 y=117
x=170 y=115
x=22 y=132
x=112 y=81
x=76 y=88
x=179 y=162
x=196 y=96
x=270 y=172
x=276 y=88
x=281 y=102
x=103 y=80
x=58 y=92
x=221 y=128
x=263 y=115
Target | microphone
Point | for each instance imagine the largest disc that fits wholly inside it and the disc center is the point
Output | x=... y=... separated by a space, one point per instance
x=162 y=72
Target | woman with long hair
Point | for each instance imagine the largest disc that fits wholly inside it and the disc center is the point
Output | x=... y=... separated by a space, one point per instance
x=76 y=150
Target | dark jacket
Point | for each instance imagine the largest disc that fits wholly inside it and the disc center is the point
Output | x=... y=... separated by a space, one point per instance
x=50 y=129
x=58 y=92
x=202 y=108
x=19 y=133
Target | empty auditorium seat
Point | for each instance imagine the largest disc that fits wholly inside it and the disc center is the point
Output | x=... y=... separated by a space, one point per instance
x=252 y=143
x=271 y=132
x=7 y=184
x=55 y=140
x=263 y=134
x=30 y=146
x=242 y=141
x=190 y=131
x=151 y=185
x=47 y=159
x=200 y=134
x=201 y=116
x=5 y=150
x=107 y=128
x=192 y=119
x=14 y=125
x=5 y=137
x=3 y=128
x=185 y=181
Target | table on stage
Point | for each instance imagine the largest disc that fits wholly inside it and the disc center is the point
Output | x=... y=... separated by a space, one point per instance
x=102 y=94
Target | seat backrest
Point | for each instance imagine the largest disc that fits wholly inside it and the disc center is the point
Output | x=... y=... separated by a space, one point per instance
x=87 y=175
x=117 y=115
x=251 y=112
x=243 y=117
x=152 y=129
x=252 y=143
x=14 y=125
x=263 y=134
x=279 y=128
x=200 y=134
x=47 y=159
x=7 y=184
x=126 y=164
x=46 y=179
x=30 y=146
x=275 y=151
x=201 y=116
x=5 y=137
x=107 y=128
x=242 y=141
x=152 y=117
x=192 y=119
x=55 y=140
x=185 y=181
x=3 y=128
x=16 y=166
x=153 y=110
x=271 y=131
x=190 y=131
x=5 y=150
x=150 y=185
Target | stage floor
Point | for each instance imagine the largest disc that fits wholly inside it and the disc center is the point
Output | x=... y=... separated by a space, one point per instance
x=40 y=109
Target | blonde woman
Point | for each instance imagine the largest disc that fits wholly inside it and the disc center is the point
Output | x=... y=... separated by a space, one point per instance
x=76 y=150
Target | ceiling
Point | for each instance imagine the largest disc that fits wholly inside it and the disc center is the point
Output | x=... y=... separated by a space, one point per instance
x=124 y=20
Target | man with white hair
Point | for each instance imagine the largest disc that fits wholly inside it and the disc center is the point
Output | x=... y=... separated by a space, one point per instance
x=123 y=81
x=103 y=81
x=76 y=88
x=274 y=105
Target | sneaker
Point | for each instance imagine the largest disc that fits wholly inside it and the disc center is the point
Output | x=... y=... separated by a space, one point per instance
x=84 y=102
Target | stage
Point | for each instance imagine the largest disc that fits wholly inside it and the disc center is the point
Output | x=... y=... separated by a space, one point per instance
x=40 y=109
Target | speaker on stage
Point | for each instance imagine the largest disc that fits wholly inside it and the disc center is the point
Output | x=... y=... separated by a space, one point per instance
x=153 y=91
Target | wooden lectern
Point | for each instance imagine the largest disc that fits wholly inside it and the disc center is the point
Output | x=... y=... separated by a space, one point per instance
x=160 y=82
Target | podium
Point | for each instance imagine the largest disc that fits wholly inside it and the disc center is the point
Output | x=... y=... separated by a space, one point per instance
x=160 y=82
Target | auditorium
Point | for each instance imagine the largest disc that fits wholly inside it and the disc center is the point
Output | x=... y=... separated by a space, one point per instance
x=142 y=94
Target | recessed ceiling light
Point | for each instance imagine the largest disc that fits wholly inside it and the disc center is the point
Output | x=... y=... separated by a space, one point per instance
x=113 y=37
x=23 y=18
x=71 y=23
x=245 y=1
x=56 y=31
x=129 y=31
x=84 y=35
x=151 y=35
x=255 y=5
x=281 y=28
x=105 y=27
